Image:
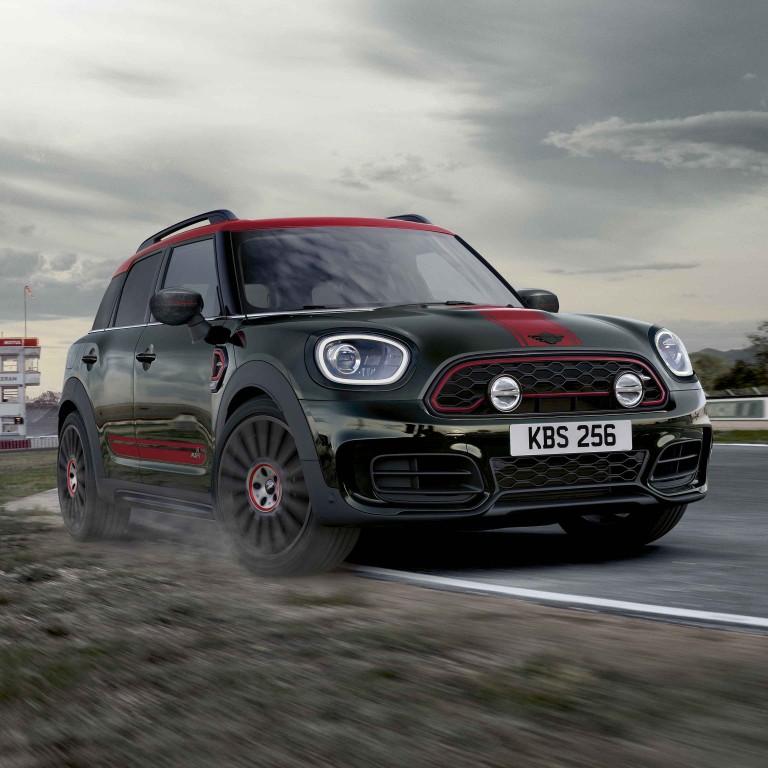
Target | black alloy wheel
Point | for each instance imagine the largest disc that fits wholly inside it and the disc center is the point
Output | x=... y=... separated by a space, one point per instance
x=85 y=515
x=262 y=501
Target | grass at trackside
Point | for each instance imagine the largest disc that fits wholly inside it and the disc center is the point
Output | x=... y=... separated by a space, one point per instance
x=145 y=652
x=23 y=473
x=741 y=436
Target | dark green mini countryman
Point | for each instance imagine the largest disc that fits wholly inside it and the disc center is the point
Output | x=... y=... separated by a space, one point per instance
x=303 y=379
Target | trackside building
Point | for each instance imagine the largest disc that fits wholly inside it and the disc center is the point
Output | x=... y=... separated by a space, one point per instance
x=19 y=360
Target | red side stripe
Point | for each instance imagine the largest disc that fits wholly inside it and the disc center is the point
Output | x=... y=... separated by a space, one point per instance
x=167 y=451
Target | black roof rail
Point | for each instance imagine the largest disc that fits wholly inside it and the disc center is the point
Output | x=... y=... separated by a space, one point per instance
x=212 y=217
x=411 y=217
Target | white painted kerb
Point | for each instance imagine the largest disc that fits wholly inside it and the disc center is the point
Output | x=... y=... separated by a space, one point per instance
x=558 y=598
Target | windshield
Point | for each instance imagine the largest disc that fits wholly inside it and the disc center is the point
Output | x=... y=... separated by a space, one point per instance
x=330 y=267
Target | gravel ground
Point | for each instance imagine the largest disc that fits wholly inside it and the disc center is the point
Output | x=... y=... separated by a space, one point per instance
x=165 y=652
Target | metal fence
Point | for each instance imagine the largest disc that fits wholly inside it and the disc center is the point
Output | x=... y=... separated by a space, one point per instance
x=46 y=441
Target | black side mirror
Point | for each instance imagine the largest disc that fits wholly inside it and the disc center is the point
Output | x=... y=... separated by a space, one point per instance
x=536 y=298
x=180 y=306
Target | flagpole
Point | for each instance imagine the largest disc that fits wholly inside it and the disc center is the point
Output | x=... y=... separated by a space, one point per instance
x=25 y=311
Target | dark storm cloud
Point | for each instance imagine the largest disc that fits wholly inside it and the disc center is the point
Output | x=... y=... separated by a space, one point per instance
x=63 y=262
x=138 y=187
x=63 y=285
x=18 y=263
x=135 y=83
x=514 y=74
x=537 y=67
x=134 y=183
x=718 y=140
x=544 y=61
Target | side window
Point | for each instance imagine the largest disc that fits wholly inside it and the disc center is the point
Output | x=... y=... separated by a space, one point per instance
x=104 y=314
x=137 y=291
x=193 y=266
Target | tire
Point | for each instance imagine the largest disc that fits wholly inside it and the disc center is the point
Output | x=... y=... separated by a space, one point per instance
x=85 y=515
x=261 y=500
x=625 y=530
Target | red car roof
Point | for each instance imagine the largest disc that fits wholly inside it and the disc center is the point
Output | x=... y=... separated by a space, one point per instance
x=245 y=224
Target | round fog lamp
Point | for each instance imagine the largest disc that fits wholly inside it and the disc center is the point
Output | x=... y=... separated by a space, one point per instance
x=344 y=358
x=505 y=393
x=629 y=390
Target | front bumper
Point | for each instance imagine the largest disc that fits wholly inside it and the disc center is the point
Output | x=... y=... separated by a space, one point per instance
x=359 y=442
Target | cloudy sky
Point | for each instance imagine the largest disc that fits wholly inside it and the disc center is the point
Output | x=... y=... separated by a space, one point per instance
x=614 y=152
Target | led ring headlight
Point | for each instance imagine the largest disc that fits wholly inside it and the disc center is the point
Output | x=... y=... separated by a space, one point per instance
x=361 y=359
x=672 y=351
x=629 y=389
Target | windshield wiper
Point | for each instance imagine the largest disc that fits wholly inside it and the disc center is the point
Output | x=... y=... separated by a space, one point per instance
x=449 y=303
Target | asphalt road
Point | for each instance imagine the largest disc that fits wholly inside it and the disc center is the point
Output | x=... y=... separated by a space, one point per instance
x=716 y=559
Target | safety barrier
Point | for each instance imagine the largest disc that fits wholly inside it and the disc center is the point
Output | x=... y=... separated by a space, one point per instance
x=21 y=444
x=15 y=445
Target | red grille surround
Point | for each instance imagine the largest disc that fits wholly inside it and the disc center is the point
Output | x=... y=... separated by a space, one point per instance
x=571 y=384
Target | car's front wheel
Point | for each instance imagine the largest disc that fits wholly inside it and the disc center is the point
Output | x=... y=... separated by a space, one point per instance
x=85 y=515
x=624 y=529
x=262 y=501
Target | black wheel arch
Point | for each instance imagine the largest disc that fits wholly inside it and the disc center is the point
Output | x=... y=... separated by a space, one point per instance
x=259 y=378
x=74 y=398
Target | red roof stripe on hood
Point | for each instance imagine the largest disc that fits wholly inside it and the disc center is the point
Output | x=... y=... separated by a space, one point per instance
x=523 y=324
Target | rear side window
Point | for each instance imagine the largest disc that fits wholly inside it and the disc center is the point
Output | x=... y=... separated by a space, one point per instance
x=193 y=266
x=104 y=314
x=138 y=290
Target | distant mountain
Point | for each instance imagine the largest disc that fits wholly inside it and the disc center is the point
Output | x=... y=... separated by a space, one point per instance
x=731 y=355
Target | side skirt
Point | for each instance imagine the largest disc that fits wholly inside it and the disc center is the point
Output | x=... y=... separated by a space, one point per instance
x=172 y=500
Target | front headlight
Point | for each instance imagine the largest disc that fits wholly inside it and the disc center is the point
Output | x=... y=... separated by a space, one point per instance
x=673 y=353
x=361 y=359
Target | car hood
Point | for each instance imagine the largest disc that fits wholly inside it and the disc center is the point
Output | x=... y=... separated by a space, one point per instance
x=440 y=334
x=463 y=330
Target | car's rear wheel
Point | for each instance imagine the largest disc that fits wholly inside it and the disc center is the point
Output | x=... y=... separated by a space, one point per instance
x=624 y=529
x=262 y=501
x=85 y=515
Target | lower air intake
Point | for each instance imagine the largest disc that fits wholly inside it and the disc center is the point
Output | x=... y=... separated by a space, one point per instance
x=677 y=466
x=426 y=478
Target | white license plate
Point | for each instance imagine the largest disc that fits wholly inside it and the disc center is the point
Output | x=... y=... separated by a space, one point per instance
x=585 y=437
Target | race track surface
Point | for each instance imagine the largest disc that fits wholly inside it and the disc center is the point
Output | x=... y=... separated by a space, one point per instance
x=715 y=560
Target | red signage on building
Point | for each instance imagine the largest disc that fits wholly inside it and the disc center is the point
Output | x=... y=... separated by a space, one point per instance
x=19 y=342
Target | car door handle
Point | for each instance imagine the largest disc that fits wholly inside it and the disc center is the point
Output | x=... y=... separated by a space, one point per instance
x=90 y=358
x=148 y=356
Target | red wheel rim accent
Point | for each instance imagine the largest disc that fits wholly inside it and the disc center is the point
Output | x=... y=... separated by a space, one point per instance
x=264 y=487
x=72 y=477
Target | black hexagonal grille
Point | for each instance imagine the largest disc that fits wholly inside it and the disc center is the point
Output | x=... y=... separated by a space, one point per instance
x=551 y=385
x=526 y=473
